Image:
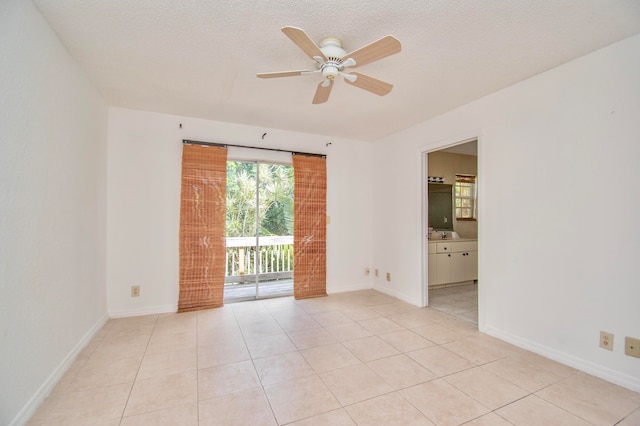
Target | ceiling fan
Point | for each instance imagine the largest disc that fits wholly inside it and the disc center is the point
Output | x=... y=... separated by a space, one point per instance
x=332 y=60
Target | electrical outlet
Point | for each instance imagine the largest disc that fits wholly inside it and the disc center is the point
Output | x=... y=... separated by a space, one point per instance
x=376 y=272
x=632 y=347
x=135 y=290
x=367 y=271
x=606 y=340
x=388 y=276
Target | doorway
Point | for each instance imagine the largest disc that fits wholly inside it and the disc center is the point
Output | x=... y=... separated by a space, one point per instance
x=259 y=230
x=451 y=284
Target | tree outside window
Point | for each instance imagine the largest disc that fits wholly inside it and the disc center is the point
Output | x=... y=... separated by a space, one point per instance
x=465 y=195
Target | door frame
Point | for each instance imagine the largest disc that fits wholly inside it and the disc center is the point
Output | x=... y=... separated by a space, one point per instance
x=423 y=174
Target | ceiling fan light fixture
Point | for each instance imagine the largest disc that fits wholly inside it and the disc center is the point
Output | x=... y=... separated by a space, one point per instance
x=330 y=71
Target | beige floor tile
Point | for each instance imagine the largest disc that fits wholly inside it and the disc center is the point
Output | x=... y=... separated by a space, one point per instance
x=331 y=318
x=632 y=419
x=406 y=340
x=442 y=403
x=45 y=409
x=476 y=350
x=283 y=367
x=438 y=334
x=225 y=379
x=311 y=338
x=388 y=309
x=485 y=387
x=349 y=331
x=219 y=336
x=380 y=325
x=522 y=373
x=162 y=392
x=297 y=323
x=400 y=371
x=370 y=348
x=99 y=372
x=354 y=383
x=221 y=354
x=175 y=323
x=410 y=320
x=439 y=360
x=171 y=342
x=122 y=347
x=264 y=346
x=300 y=398
x=90 y=406
x=592 y=399
x=490 y=420
x=69 y=376
x=185 y=415
x=318 y=305
x=167 y=363
x=432 y=315
x=253 y=306
x=245 y=408
x=226 y=389
x=329 y=357
x=362 y=313
x=388 y=410
x=462 y=327
x=263 y=327
x=546 y=364
x=538 y=412
x=332 y=418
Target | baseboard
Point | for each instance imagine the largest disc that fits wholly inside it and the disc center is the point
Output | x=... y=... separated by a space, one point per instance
x=398 y=295
x=150 y=310
x=605 y=373
x=346 y=289
x=45 y=389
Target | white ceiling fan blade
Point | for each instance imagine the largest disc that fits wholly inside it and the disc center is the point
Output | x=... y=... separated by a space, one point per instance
x=322 y=92
x=379 y=49
x=371 y=84
x=304 y=42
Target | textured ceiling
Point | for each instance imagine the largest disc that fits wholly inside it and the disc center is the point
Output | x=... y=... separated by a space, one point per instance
x=199 y=58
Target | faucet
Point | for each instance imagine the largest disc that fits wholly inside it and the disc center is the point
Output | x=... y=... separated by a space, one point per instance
x=444 y=234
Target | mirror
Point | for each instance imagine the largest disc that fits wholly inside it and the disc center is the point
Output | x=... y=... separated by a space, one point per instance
x=441 y=206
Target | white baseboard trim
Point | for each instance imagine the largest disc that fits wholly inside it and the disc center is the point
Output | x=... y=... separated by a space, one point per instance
x=150 y=310
x=605 y=373
x=45 y=389
x=398 y=295
x=346 y=289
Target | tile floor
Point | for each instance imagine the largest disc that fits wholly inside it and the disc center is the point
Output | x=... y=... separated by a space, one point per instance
x=459 y=301
x=360 y=358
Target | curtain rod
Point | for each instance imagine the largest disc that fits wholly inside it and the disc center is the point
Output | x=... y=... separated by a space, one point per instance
x=224 y=145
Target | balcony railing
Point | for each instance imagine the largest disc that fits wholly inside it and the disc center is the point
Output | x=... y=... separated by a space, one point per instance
x=273 y=260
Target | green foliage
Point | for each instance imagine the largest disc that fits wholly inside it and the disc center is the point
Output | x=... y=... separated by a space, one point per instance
x=275 y=205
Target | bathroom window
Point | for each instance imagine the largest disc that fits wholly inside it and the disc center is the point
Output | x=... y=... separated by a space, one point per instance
x=465 y=195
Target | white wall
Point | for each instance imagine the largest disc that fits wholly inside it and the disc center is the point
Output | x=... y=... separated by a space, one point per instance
x=558 y=241
x=145 y=154
x=52 y=210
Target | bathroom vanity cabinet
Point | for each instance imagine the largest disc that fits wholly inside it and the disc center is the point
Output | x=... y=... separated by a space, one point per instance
x=452 y=261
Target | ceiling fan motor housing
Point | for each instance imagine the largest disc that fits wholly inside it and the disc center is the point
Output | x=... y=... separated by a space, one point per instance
x=333 y=51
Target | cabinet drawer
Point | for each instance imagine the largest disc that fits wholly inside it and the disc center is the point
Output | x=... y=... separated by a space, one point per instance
x=455 y=247
x=443 y=248
x=432 y=248
x=465 y=246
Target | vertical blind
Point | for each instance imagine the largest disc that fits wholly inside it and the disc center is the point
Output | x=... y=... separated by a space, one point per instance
x=309 y=226
x=202 y=227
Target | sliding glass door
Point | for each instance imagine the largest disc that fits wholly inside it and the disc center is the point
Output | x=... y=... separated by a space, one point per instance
x=259 y=225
